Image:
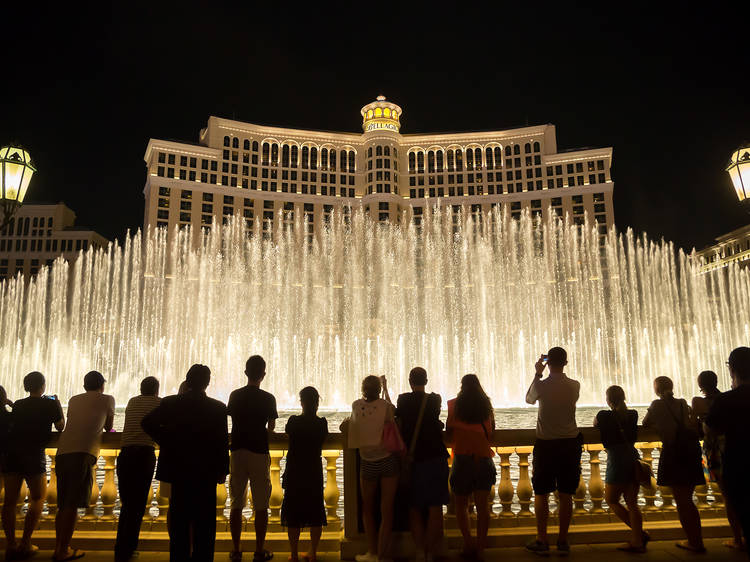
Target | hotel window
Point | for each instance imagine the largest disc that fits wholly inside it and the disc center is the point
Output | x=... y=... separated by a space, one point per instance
x=186 y=194
x=207 y=208
x=598 y=197
x=285 y=156
x=162 y=158
x=160 y=171
x=208 y=197
x=527 y=148
x=600 y=208
x=183 y=160
x=170 y=172
x=550 y=184
x=537 y=147
x=164 y=203
x=516 y=149
x=602 y=178
x=246 y=144
x=600 y=164
x=459 y=160
x=170 y=159
x=164 y=191
x=183 y=174
x=186 y=205
x=162 y=214
x=592 y=179
x=579 y=167
x=469 y=159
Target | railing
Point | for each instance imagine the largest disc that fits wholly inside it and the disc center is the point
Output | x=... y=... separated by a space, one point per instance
x=511 y=499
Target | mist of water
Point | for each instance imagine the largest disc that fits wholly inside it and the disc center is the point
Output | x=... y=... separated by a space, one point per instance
x=365 y=298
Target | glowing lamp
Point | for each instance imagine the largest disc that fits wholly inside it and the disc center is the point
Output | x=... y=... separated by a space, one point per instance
x=15 y=174
x=739 y=171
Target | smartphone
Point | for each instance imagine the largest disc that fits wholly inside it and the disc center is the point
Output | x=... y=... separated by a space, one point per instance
x=544 y=359
x=49 y=397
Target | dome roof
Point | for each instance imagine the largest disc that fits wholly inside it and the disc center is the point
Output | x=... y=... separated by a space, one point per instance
x=381 y=114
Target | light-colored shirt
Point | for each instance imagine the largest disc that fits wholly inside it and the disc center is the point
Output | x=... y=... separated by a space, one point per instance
x=366 y=428
x=557 y=396
x=136 y=410
x=87 y=414
x=663 y=414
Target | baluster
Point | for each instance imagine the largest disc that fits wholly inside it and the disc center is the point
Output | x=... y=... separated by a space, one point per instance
x=649 y=492
x=451 y=510
x=331 y=492
x=277 y=494
x=493 y=494
x=524 y=489
x=718 y=496
x=596 y=485
x=162 y=500
x=51 y=487
x=90 y=515
x=21 y=499
x=221 y=501
x=667 y=497
x=109 y=490
x=505 y=487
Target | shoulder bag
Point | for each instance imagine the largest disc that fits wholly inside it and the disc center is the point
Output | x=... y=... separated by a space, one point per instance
x=643 y=471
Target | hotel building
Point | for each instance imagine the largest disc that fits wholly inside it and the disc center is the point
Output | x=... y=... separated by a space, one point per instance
x=732 y=247
x=38 y=234
x=269 y=175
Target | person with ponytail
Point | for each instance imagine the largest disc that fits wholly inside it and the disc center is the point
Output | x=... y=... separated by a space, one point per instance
x=618 y=427
x=680 y=461
x=303 y=504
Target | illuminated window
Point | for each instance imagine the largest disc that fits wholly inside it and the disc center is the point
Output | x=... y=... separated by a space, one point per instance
x=369 y=114
x=387 y=112
x=378 y=112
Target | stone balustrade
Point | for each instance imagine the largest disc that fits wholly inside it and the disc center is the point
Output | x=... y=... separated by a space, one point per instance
x=511 y=498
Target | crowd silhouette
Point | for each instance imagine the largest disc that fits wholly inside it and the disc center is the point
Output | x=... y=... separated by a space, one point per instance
x=401 y=452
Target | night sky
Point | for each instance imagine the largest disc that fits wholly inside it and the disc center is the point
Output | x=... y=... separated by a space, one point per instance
x=86 y=87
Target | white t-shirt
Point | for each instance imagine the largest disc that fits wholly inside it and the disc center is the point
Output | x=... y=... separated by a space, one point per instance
x=557 y=396
x=366 y=428
x=87 y=413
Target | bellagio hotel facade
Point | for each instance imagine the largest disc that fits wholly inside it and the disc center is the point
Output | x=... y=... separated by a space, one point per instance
x=269 y=175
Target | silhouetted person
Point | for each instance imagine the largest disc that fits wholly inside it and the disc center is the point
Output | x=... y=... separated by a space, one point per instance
x=254 y=416
x=428 y=484
x=730 y=416
x=135 y=469
x=558 y=447
x=618 y=427
x=191 y=431
x=680 y=460
x=30 y=433
x=89 y=414
x=713 y=448
x=378 y=465
x=303 y=504
x=470 y=423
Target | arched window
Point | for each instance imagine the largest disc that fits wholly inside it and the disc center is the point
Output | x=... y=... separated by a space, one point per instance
x=412 y=162
x=431 y=161
x=537 y=146
x=246 y=144
x=255 y=146
x=352 y=163
x=488 y=157
x=395 y=152
x=332 y=163
x=295 y=155
x=516 y=149
x=305 y=157
x=478 y=157
x=450 y=160
x=420 y=162
x=459 y=160
x=266 y=152
x=235 y=142
x=439 y=160
x=507 y=150
x=378 y=150
x=226 y=141
x=527 y=148
x=313 y=158
x=469 y=159
x=285 y=156
x=275 y=154
x=342 y=159
x=324 y=158
x=498 y=157
x=369 y=152
x=386 y=151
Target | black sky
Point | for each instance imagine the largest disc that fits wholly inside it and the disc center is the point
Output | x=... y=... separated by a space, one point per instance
x=665 y=86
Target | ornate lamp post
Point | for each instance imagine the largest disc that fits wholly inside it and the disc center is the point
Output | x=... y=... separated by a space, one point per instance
x=739 y=171
x=15 y=174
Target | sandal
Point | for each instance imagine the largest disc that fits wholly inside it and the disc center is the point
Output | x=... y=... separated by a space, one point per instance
x=26 y=553
x=684 y=545
x=731 y=543
x=75 y=555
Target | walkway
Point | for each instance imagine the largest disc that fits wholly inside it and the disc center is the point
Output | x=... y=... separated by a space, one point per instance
x=658 y=550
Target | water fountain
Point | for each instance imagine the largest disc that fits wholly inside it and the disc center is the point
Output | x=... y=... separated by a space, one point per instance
x=457 y=297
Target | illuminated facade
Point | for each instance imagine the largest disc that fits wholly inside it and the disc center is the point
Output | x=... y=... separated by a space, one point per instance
x=732 y=247
x=269 y=175
x=38 y=234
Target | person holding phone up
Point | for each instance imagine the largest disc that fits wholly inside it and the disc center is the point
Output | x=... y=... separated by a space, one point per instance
x=557 y=451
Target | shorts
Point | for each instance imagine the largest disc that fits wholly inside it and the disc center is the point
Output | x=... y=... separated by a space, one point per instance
x=472 y=474
x=74 y=477
x=383 y=468
x=26 y=463
x=255 y=468
x=557 y=465
x=429 y=483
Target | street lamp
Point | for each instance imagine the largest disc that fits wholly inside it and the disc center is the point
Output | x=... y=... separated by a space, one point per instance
x=15 y=174
x=739 y=171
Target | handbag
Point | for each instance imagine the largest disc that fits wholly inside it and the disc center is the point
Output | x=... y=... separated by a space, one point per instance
x=642 y=470
x=408 y=461
x=392 y=440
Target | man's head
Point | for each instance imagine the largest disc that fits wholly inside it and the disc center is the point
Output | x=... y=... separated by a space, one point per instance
x=198 y=377
x=739 y=365
x=708 y=382
x=93 y=380
x=255 y=369
x=418 y=377
x=150 y=386
x=557 y=358
x=34 y=383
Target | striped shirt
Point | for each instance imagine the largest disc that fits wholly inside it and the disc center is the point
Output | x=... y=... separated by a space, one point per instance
x=132 y=432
